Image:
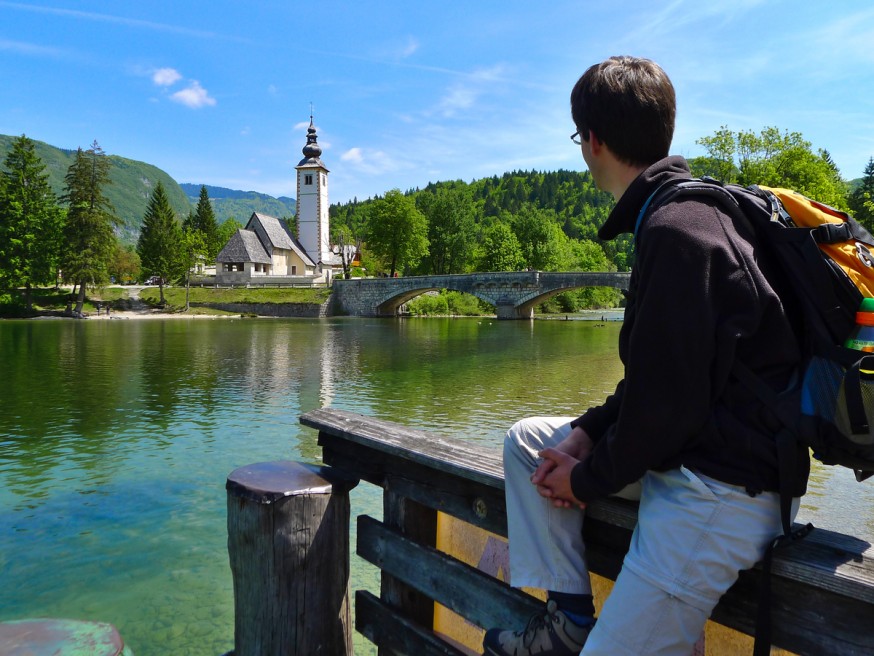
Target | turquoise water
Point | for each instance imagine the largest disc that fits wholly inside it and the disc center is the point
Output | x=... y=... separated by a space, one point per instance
x=116 y=438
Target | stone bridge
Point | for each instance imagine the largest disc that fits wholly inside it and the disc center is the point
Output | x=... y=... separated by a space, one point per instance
x=514 y=294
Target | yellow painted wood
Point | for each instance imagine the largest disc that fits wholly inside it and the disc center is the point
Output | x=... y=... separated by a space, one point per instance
x=489 y=553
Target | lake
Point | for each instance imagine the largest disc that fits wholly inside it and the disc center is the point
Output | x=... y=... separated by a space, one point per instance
x=116 y=438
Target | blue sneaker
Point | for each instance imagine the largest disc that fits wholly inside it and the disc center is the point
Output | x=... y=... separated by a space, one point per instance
x=551 y=634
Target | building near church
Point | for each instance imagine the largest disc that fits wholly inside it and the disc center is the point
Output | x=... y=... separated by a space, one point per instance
x=266 y=250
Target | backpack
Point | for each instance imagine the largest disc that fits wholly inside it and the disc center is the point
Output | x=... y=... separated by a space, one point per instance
x=827 y=261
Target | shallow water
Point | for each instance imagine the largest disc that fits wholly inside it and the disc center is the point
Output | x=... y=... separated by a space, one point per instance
x=116 y=438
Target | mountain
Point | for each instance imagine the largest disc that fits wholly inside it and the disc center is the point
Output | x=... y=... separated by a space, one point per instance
x=230 y=203
x=133 y=182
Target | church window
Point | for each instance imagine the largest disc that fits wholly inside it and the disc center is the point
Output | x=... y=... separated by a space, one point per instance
x=308 y=179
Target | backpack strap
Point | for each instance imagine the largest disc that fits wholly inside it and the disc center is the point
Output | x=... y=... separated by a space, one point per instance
x=706 y=186
x=649 y=201
x=853 y=391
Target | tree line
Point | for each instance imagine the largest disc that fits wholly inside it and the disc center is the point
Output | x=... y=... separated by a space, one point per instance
x=522 y=220
x=45 y=239
x=549 y=220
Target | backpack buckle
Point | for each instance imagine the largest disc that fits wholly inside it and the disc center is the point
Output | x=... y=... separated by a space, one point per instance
x=831 y=233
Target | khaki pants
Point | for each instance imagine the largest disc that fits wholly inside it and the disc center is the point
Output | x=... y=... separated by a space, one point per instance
x=694 y=535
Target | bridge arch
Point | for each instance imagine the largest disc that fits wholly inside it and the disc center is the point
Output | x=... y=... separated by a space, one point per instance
x=514 y=294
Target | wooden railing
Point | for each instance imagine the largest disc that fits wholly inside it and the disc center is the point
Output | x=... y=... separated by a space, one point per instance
x=822 y=587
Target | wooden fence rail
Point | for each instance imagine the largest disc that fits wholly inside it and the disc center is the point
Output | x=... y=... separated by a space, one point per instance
x=822 y=587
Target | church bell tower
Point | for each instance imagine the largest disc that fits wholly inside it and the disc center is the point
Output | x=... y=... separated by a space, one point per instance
x=313 y=223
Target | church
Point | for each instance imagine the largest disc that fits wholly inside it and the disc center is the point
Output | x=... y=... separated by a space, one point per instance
x=266 y=250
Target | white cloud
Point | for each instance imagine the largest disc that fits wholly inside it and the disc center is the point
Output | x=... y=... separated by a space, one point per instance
x=22 y=48
x=459 y=97
x=410 y=48
x=165 y=77
x=194 y=96
x=353 y=155
x=372 y=162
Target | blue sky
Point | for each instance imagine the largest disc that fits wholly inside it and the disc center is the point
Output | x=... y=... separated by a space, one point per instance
x=405 y=93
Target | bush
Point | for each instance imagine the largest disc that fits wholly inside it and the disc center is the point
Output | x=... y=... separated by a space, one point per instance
x=466 y=305
x=428 y=304
x=448 y=303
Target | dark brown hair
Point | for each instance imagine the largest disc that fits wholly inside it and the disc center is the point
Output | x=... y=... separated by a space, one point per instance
x=630 y=105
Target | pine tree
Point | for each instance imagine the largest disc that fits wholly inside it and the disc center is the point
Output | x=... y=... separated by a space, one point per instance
x=159 y=242
x=204 y=221
x=89 y=239
x=30 y=222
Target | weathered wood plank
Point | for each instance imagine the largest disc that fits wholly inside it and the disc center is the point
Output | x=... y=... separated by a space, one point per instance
x=441 y=453
x=418 y=523
x=393 y=632
x=475 y=504
x=480 y=598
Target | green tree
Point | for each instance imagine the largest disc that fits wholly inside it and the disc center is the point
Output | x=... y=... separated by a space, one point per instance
x=203 y=220
x=192 y=249
x=540 y=237
x=227 y=230
x=776 y=159
x=124 y=265
x=451 y=228
x=159 y=242
x=499 y=249
x=30 y=222
x=862 y=199
x=397 y=232
x=586 y=255
x=89 y=238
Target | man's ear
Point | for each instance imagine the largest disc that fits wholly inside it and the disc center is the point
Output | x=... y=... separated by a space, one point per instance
x=596 y=144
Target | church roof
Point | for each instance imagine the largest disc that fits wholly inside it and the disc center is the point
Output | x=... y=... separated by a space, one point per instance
x=243 y=246
x=278 y=235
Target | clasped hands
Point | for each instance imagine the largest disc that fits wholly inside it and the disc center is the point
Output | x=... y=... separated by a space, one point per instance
x=552 y=478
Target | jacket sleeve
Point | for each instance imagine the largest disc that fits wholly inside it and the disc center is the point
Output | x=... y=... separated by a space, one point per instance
x=597 y=420
x=665 y=399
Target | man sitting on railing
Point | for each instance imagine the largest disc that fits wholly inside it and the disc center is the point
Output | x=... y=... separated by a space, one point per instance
x=678 y=422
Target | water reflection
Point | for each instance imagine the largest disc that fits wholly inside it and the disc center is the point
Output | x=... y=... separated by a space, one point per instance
x=116 y=438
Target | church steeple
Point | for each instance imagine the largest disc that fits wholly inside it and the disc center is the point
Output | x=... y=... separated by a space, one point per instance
x=313 y=222
x=312 y=152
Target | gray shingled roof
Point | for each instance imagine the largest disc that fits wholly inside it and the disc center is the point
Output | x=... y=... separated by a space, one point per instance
x=276 y=230
x=244 y=246
x=280 y=236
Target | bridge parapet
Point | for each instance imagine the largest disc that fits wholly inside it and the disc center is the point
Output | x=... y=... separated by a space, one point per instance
x=514 y=293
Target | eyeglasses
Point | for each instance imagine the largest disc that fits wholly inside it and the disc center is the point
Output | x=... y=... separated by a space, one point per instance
x=577 y=138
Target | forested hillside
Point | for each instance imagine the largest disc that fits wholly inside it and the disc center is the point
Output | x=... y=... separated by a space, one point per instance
x=566 y=199
x=550 y=220
x=132 y=183
x=239 y=205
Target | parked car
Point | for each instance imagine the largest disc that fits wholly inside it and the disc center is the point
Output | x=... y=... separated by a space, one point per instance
x=156 y=280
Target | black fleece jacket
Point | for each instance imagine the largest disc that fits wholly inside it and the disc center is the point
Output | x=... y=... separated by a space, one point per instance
x=701 y=294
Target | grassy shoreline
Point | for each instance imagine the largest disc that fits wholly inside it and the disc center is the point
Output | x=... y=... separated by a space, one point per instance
x=53 y=302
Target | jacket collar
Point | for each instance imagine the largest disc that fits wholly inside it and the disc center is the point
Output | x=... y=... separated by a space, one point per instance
x=624 y=215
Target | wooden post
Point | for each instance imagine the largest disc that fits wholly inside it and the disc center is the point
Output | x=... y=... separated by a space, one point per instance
x=288 y=542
